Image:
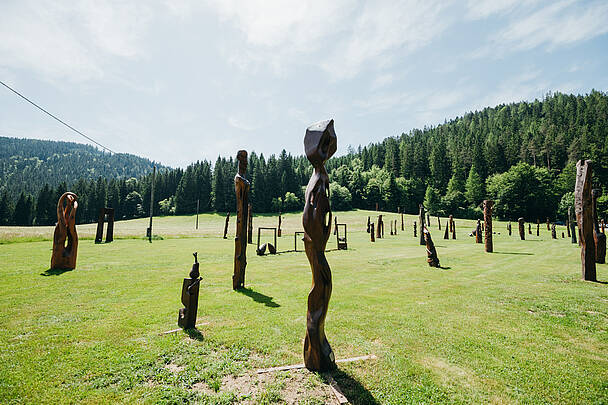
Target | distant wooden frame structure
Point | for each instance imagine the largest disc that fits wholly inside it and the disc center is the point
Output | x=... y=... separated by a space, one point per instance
x=267 y=229
x=295 y=241
x=103 y=214
x=341 y=236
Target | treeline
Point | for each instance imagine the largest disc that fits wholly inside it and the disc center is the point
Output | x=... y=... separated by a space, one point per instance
x=522 y=155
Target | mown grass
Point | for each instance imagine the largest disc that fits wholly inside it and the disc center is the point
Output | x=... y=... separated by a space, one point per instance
x=515 y=326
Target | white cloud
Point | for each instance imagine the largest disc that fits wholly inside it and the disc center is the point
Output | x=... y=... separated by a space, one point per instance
x=479 y=9
x=560 y=23
x=382 y=80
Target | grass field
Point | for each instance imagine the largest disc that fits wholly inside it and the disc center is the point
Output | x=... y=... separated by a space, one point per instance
x=515 y=326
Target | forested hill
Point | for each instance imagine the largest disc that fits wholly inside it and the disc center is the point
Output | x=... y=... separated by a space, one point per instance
x=27 y=164
x=521 y=155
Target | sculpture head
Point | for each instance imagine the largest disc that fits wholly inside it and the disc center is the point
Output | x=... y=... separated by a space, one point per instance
x=241 y=156
x=320 y=142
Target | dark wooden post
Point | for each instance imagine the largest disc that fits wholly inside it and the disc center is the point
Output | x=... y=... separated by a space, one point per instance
x=319 y=144
x=584 y=217
x=509 y=228
x=187 y=315
x=421 y=218
x=446 y=233
x=402 y=223
x=379 y=227
x=438 y=222
x=371 y=233
x=453 y=226
x=598 y=237
x=415 y=235
x=368 y=224
x=478 y=232
x=100 y=220
x=226 y=225
x=548 y=224
x=241 y=188
x=279 y=228
x=110 y=230
x=553 y=231
x=522 y=231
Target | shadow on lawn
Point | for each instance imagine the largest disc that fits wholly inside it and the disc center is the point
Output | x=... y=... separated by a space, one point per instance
x=351 y=388
x=259 y=297
x=514 y=253
x=54 y=272
x=195 y=334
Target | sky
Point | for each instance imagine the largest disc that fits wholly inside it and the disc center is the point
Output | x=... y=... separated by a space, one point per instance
x=178 y=81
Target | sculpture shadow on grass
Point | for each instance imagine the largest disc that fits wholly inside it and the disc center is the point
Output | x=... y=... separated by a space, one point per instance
x=514 y=253
x=54 y=272
x=352 y=389
x=259 y=297
x=195 y=334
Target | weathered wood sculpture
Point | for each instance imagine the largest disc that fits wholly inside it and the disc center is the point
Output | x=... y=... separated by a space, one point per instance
x=187 y=315
x=103 y=212
x=598 y=237
x=438 y=222
x=453 y=227
x=250 y=224
x=422 y=225
x=368 y=224
x=380 y=228
x=572 y=226
x=553 y=232
x=226 y=225
x=478 y=232
x=391 y=222
x=241 y=188
x=431 y=252
x=509 y=228
x=529 y=229
x=446 y=233
x=415 y=234
x=538 y=229
x=371 y=232
x=522 y=231
x=402 y=223
x=395 y=227
x=584 y=217
x=65 y=254
x=548 y=224
x=335 y=225
x=319 y=145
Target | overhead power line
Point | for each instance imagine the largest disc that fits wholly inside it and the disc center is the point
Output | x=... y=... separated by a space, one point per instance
x=55 y=117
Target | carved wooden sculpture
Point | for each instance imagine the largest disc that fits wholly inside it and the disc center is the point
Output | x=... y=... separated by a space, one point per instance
x=250 y=224
x=226 y=225
x=190 y=287
x=402 y=223
x=548 y=224
x=509 y=228
x=584 y=217
x=64 y=254
x=529 y=229
x=100 y=221
x=395 y=227
x=446 y=234
x=279 y=228
x=335 y=225
x=422 y=226
x=572 y=226
x=522 y=231
x=368 y=224
x=553 y=232
x=451 y=222
x=431 y=252
x=391 y=222
x=241 y=188
x=438 y=222
x=319 y=144
x=415 y=234
x=478 y=232
x=453 y=226
x=598 y=237
x=371 y=232
x=380 y=228
x=538 y=229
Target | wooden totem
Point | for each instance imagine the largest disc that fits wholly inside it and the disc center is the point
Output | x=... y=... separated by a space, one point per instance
x=548 y=224
x=368 y=224
x=391 y=222
x=395 y=227
x=103 y=212
x=487 y=219
x=453 y=226
x=402 y=223
x=226 y=225
x=522 y=231
x=446 y=234
x=187 y=315
x=415 y=234
x=319 y=145
x=379 y=228
x=64 y=254
x=509 y=228
x=279 y=228
x=598 y=237
x=553 y=232
x=529 y=229
x=431 y=252
x=371 y=232
x=438 y=222
x=422 y=226
x=583 y=207
x=241 y=188
x=250 y=223
x=478 y=232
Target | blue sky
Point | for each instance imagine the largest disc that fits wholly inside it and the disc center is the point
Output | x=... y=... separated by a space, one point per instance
x=180 y=81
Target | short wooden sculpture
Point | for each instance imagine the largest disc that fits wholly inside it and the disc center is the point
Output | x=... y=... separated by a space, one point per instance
x=250 y=224
x=584 y=217
x=391 y=222
x=422 y=225
x=380 y=228
x=226 y=225
x=538 y=229
x=103 y=212
x=402 y=223
x=415 y=234
x=453 y=226
x=529 y=229
x=64 y=254
x=446 y=234
x=190 y=287
x=279 y=228
x=553 y=232
x=431 y=252
x=509 y=228
x=438 y=222
x=548 y=224
x=522 y=232
x=241 y=188
x=572 y=226
x=320 y=144
x=371 y=233
x=478 y=232
x=368 y=224
x=598 y=237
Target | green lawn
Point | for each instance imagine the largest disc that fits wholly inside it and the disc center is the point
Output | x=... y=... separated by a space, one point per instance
x=515 y=326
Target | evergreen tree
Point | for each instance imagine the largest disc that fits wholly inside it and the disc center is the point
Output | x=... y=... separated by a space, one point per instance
x=474 y=187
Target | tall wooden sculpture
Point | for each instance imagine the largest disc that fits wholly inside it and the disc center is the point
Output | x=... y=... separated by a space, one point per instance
x=487 y=219
x=279 y=228
x=453 y=227
x=320 y=144
x=538 y=229
x=509 y=228
x=431 y=252
x=64 y=254
x=598 y=237
x=572 y=226
x=368 y=224
x=103 y=212
x=226 y=225
x=391 y=222
x=522 y=231
x=402 y=223
x=241 y=188
x=421 y=218
x=478 y=232
x=548 y=224
x=584 y=217
x=395 y=227
x=553 y=232
x=186 y=317
x=250 y=224
x=529 y=229
x=415 y=235
x=438 y=222
x=380 y=228
x=446 y=234
x=371 y=233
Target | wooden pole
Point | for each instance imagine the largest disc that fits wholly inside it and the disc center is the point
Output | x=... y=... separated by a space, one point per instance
x=197 y=206
x=151 y=204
